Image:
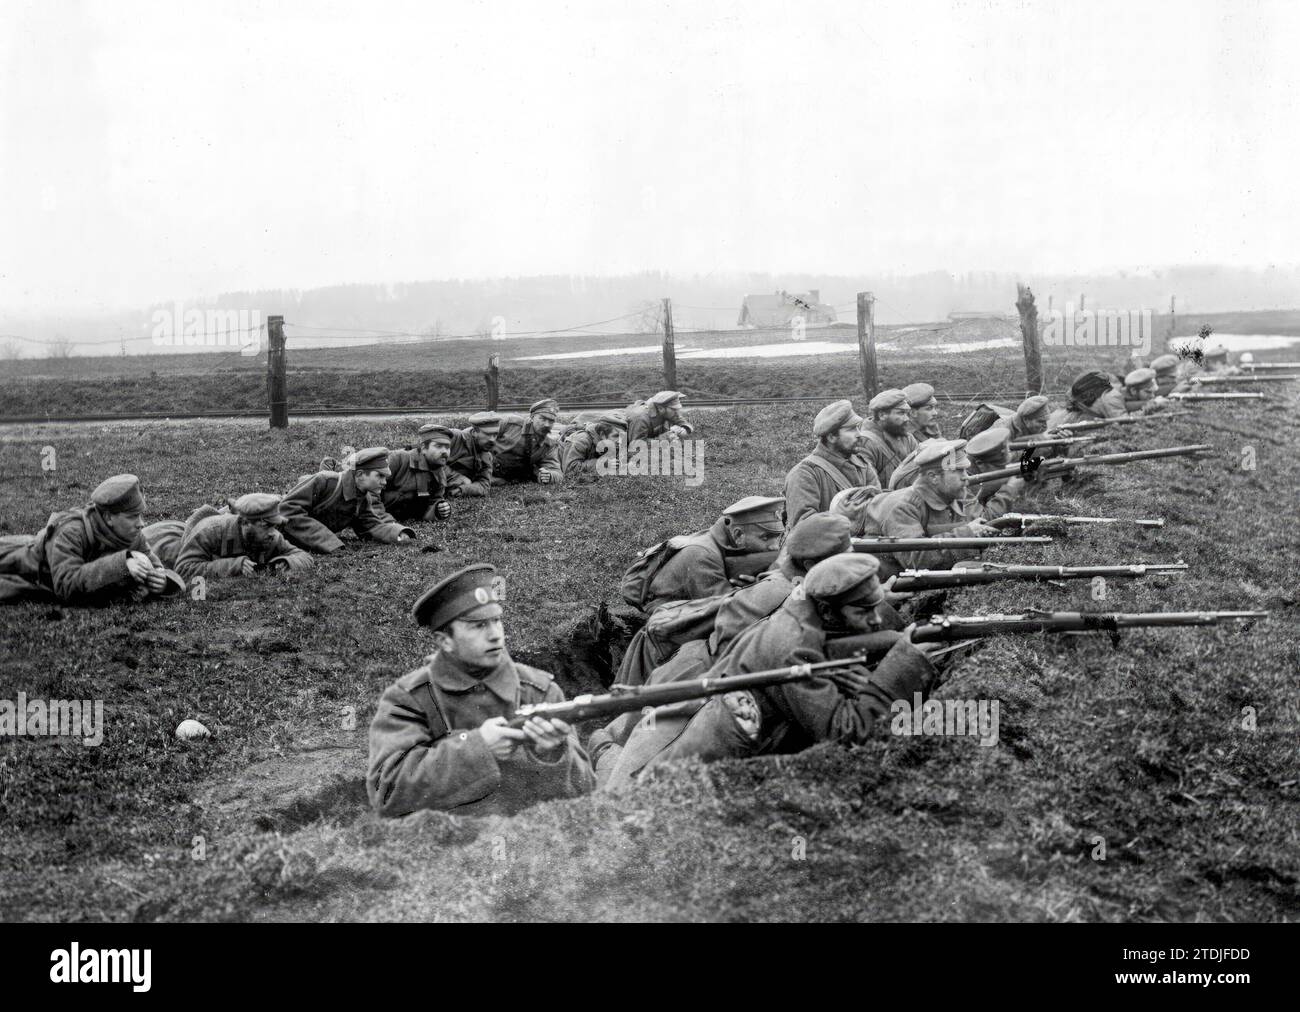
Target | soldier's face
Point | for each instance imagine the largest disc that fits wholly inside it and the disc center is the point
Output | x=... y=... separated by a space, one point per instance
x=436 y=452
x=925 y=414
x=125 y=525
x=858 y=618
x=672 y=412
x=1035 y=424
x=846 y=440
x=372 y=481
x=755 y=539
x=950 y=483
x=478 y=641
x=543 y=425
x=485 y=440
x=259 y=534
x=894 y=421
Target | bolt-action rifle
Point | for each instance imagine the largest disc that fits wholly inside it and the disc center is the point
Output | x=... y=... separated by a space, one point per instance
x=626 y=698
x=1019 y=521
x=1056 y=466
x=1039 y=442
x=1100 y=423
x=912 y=580
x=1242 y=379
x=957 y=627
x=886 y=546
x=1195 y=396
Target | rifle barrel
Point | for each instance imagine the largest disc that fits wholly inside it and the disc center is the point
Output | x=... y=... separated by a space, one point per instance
x=885 y=546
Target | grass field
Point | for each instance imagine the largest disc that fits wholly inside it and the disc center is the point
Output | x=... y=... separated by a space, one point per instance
x=1138 y=748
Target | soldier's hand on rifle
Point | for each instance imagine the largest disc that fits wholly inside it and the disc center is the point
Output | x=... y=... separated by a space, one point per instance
x=979 y=529
x=895 y=596
x=852 y=681
x=546 y=736
x=925 y=648
x=247 y=567
x=500 y=739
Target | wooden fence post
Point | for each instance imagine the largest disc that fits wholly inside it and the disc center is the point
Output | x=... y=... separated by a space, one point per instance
x=276 y=389
x=1172 y=332
x=1029 y=337
x=670 y=349
x=867 y=343
x=493 y=376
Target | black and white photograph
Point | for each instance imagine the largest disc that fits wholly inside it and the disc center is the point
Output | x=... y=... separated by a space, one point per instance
x=659 y=462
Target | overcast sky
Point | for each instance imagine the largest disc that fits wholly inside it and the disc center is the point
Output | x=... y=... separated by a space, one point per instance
x=180 y=149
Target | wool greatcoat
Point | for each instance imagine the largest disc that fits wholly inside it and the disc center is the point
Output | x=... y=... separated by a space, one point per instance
x=415 y=486
x=323 y=504
x=521 y=454
x=810 y=487
x=75 y=558
x=426 y=750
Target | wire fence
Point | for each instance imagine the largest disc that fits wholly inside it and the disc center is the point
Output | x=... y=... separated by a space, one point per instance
x=775 y=363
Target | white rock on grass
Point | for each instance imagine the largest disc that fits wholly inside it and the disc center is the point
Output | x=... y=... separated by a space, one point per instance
x=191 y=729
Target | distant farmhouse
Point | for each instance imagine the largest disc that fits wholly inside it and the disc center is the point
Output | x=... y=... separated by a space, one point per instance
x=778 y=309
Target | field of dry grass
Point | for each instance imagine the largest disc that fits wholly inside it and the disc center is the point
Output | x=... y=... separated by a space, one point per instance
x=1140 y=746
